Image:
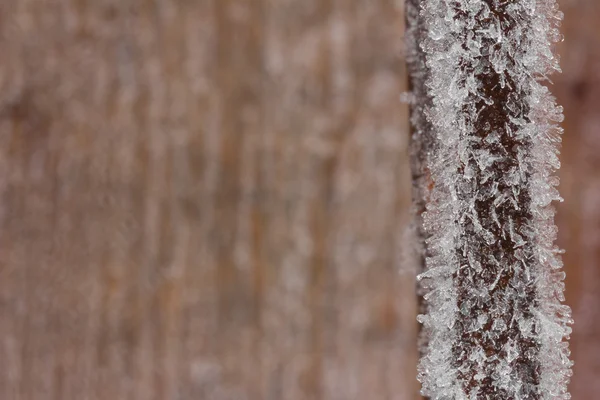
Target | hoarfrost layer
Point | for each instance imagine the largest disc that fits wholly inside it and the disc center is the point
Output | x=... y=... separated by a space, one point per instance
x=421 y=142
x=496 y=323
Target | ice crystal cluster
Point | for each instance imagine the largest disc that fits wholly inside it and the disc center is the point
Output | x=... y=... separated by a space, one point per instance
x=495 y=318
x=421 y=141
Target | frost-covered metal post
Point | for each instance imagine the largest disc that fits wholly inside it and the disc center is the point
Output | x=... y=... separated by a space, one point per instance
x=495 y=322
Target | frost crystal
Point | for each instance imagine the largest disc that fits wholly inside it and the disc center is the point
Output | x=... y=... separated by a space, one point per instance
x=494 y=320
x=421 y=138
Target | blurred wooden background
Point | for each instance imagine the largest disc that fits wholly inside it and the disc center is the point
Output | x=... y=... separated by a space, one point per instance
x=578 y=218
x=209 y=200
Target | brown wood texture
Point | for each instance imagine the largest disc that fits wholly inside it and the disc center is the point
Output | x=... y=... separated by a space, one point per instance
x=204 y=200
x=578 y=218
x=208 y=199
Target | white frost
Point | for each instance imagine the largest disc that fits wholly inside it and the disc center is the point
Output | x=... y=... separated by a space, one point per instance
x=472 y=205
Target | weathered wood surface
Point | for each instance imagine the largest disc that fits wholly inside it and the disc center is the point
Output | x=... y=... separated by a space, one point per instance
x=208 y=199
x=578 y=218
x=204 y=200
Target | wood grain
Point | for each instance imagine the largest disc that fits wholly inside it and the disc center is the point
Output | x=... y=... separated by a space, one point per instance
x=207 y=199
x=204 y=200
x=578 y=90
